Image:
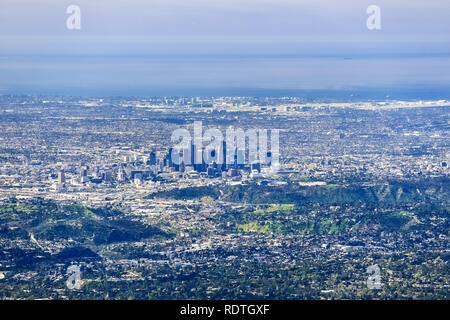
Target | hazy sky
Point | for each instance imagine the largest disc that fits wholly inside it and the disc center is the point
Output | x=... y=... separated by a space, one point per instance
x=222 y=26
x=415 y=33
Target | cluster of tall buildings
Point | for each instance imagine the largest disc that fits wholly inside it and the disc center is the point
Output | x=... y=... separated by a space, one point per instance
x=168 y=164
x=214 y=161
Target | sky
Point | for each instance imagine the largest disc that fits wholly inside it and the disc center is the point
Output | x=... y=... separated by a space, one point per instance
x=194 y=46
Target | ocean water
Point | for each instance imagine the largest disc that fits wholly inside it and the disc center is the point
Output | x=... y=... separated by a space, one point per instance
x=339 y=77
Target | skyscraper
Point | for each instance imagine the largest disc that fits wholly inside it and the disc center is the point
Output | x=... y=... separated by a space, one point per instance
x=61 y=177
x=152 y=158
x=224 y=156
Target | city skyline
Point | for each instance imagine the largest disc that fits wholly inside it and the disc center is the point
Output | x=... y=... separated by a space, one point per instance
x=201 y=150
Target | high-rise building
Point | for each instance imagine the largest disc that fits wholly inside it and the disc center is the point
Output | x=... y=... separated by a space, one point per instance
x=121 y=175
x=170 y=157
x=84 y=172
x=152 y=158
x=108 y=176
x=240 y=158
x=61 y=177
x=224 y=156
x=193 y=153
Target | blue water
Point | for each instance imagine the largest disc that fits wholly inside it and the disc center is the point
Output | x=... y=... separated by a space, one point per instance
x=340 y=77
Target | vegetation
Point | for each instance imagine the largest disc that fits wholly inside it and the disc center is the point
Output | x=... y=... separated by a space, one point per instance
x=327 y=237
